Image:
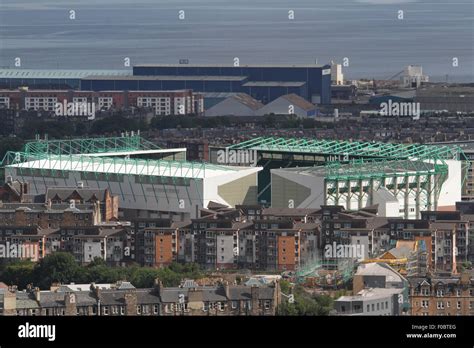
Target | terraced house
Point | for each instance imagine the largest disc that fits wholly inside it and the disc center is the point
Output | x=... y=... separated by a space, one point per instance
x=123 y=299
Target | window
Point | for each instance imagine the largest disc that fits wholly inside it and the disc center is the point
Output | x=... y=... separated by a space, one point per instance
x=156 y=309
x=424 y=304
x=368 y=308
x=459 y=305
x=139 y=310
x=234 y=304
x=373 y=307
x=267 y=304
x=205 y=307
x=182 y=307
x=440 y=305
x=122 y=310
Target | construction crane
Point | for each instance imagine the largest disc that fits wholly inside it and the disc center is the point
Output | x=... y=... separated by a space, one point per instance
x=396 y=75
x=387 y=79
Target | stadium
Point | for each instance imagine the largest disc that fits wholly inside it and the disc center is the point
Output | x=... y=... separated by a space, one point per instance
x=403 y=179
x=145 y=177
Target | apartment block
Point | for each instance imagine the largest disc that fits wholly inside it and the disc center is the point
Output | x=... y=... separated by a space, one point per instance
x=162 y=103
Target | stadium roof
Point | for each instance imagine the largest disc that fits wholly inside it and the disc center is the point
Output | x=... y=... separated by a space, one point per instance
x=102 y=156
x=355 y=148
x=357 y=170
x=57 y=74
x=51 y=164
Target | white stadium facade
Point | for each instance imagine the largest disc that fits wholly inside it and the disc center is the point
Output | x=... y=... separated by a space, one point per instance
x=402 y=179
x=167 y=185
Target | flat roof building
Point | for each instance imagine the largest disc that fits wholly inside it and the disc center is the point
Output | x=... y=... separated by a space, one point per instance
x=263 y=82
x=51 y=78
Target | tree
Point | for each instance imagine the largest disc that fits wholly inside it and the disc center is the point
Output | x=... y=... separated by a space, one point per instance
x=113 y=124
x=57 y=267
x=286 y=308
x=305 y=304
x=19 y=273
x=10 y=144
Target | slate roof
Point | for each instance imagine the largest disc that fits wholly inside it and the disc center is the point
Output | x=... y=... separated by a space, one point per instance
x=215 y=294
x=26 y=300
x=147 y=296
x=171 y=295
x=85 y=193
x=112 y=298
x=52 y=299
x=56 y=298
x=244 y=293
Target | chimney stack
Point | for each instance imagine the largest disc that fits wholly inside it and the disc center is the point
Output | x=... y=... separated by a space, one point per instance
x=37 y=294
x=227 y=289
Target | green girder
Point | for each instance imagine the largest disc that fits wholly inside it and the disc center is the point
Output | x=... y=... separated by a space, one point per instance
x=89 y=145
x=355 y=148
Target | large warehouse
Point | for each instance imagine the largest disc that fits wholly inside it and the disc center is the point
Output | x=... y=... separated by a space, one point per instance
x=176 y=188
x=263 y=82
x=50 y=78
x=306 y=173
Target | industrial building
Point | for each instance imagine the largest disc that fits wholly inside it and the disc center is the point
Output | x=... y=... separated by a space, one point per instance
x=164 y=188
x=289 y=104
x=263 y=82
x=438 y=98
x=240 y=104
x=403 y=179
x=50 y=78
x=412 y=77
